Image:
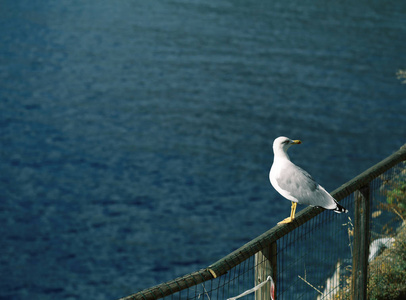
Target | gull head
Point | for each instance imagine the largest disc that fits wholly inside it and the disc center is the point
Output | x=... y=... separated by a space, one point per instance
x=282 y=144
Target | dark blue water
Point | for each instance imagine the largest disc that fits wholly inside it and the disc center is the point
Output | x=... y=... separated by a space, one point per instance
x=136 y=136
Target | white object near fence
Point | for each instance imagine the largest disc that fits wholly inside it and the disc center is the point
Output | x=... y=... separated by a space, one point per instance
x=257 y=287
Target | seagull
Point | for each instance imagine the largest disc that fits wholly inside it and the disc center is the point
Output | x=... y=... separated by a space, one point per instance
x=295 y=184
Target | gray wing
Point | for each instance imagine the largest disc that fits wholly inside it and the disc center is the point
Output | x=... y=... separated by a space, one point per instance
x=304 y=188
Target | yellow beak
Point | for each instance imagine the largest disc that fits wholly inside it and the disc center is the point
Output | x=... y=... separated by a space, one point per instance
x=297 y=142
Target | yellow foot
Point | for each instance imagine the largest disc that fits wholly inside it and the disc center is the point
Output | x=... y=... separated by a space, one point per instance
x=287 y=220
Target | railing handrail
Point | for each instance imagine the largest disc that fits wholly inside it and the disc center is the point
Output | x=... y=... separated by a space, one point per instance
x=238 y=256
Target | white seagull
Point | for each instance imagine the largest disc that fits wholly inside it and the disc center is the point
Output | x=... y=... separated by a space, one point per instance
x=295 y=184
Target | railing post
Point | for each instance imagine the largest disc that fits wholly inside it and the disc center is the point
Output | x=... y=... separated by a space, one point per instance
x=361 y=244
x=265 y=265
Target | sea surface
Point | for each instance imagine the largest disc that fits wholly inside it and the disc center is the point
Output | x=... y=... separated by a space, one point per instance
x=136 y=136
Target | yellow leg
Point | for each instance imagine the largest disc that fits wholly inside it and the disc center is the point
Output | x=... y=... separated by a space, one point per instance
x=292 y=214
x=293 y=211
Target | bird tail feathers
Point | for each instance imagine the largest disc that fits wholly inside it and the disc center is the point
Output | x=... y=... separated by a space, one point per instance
x=340 y=209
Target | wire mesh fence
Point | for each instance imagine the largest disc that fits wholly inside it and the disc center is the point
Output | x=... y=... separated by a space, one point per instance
x=313 y=259
x=321 y=255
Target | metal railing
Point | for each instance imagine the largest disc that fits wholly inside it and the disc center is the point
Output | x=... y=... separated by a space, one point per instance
x=318 y=255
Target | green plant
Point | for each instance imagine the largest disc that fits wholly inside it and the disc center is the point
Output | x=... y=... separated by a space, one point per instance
x=395 y=191
x=401 y=75
x=387 y=277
